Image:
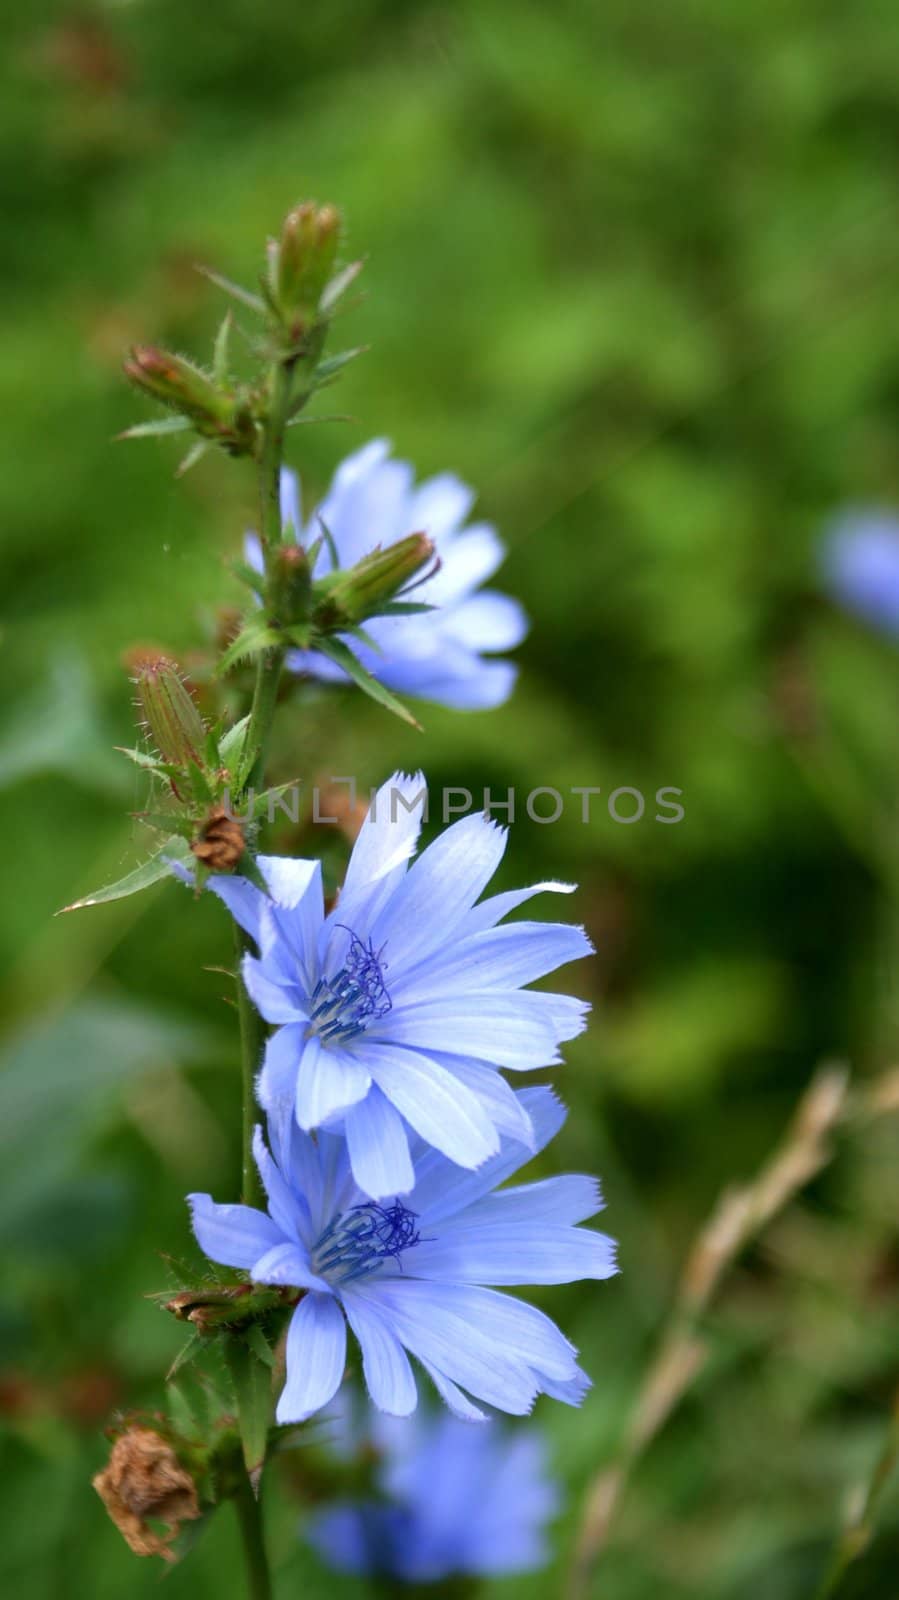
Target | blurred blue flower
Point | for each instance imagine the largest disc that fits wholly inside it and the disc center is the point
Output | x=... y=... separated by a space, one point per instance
x=458 y=1501
x=438 y=655
x=860 y=560
x=410 y=1277
x=399 y=1008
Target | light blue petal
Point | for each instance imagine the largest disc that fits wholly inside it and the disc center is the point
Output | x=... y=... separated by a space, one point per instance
x=450 y=874
x=291 y=509
x=505 y=1029
x=443 y=1190
x=368 y=502
x=243 y=899
x=565 y=1200
x=489 y=684
x=388 y=1375
x=441 y=1324
x=434 y=1102
x=502 y=1105
x=287 y=1207
x=487 y=621
x=328 y=1082
x=491 y=911
x=570 y=1391
x=378 y=1147
x=468 y=561
x=387 y=839
x=502 y=958
x=440 y=505
x=289 y=879
x=513 y=1253
x=252 y=551
x=316 y=1355
x=272 y=1000
x=233 y=1235
x=277 y=1082
x=563 y=1013
x=452 y=1396
x=287 y=1265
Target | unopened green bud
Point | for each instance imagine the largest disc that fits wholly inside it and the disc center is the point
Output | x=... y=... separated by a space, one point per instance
x=181 y=386
x=372 y=583
x=170 y=715
x=290 y=584
x=302 y=263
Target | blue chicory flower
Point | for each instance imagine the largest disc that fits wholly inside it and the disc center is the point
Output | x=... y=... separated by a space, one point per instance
x=398 y=1009
x=373 y=501
x=456 y=1501
x=860 y=560
x=411 y=1277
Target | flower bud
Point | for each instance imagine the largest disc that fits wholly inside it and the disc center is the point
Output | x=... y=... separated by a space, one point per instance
x=220 y=843
x=144 y=1480
x=181 y=386
x=290 y=583
x=303 y=261
x=372 y=583
x=169 y=714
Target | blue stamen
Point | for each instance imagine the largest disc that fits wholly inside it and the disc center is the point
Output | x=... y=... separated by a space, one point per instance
x=344 y=1005
x=356 y=1243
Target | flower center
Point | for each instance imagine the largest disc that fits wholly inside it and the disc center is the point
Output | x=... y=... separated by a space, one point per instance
x=344 y=1005
x=356 y=1243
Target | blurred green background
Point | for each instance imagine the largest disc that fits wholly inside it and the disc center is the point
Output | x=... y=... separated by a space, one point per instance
x=632 y=272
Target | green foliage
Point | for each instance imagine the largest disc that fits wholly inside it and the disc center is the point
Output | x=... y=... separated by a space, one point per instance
x=631 y=271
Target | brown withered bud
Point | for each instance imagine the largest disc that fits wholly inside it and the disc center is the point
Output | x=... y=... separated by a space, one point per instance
x=220 y=843
x=145 y=1480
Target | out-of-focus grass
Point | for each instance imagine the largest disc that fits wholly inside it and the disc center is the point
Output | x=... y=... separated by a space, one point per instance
x=632 y=272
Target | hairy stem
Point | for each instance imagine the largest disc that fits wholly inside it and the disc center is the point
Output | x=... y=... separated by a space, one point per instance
x=262 y=712
x=252 y=1041
x=249 y=1516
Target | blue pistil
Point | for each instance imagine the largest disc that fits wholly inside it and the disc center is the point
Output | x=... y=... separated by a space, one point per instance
x=344 y=1005
x=356 y=1243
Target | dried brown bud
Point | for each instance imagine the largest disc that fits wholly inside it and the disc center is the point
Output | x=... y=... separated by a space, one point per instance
x=145 y=1479
x=220 y=844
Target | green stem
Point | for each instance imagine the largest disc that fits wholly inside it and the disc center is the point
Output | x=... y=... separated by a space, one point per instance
x=249 y=1516
x=252 y=1043
x=262 y=712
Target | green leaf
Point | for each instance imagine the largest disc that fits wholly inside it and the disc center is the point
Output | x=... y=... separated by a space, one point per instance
x=338 y=286
x=235 y=754
x=235 y=290
x=325 y=537
x=142 y=758
x=261 y=804
x=246 y=868
x=194 y=454
x=338 y=652
x=166 y=822
x=246 y=574
x=199 y=784
x=329 y=368
x=221 y=349
x=252 y=1382
x=151 y=430
x=299 y=634
x=259 y=1345
x=149 y=872
x=251 y=641
x=403 y=608
x=185 y=1354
